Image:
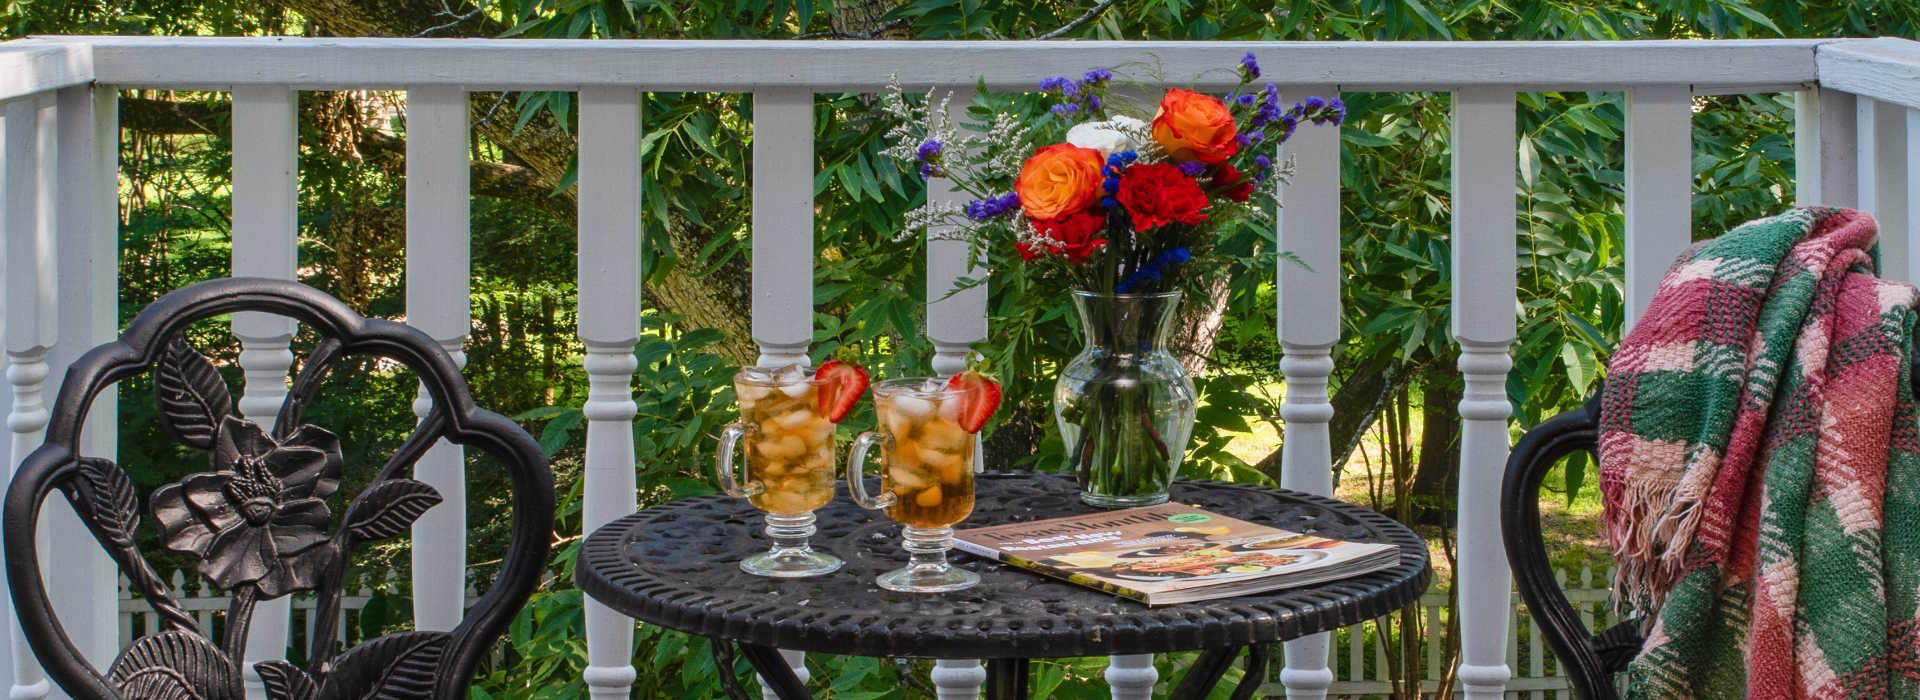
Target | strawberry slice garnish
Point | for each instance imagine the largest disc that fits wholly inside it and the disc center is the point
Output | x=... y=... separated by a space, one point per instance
x=841 y=384
x=979 y=398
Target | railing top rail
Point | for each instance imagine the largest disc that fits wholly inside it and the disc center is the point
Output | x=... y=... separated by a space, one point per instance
x=28 y=68
x=832 y=66
x=1886 y=69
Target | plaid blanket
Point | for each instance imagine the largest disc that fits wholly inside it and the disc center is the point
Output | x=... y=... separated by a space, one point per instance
x=1759 y=469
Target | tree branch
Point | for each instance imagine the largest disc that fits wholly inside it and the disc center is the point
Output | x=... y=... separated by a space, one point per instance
x=1096 y=11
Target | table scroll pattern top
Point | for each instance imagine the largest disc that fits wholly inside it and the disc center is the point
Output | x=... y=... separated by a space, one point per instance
x=673 y=565
x=258 y=523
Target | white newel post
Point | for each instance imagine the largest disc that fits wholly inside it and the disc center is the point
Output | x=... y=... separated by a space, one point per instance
x=783 y=241
x=1309 y=320
x=265 y=196
x=1659 y=197
x=1825 y=148
x=1484 y=168
x=954 y=324
x=609 y=268
x=1882 y=129
x=30 y=307
x=87 y=285
x=437 y=282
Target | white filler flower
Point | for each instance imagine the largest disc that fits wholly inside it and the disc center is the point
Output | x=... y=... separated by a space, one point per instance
x=1121 y=133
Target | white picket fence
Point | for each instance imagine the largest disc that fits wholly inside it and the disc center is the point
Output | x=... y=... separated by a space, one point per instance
x=1362 y=670
x=1359 y=672
x=209 y=608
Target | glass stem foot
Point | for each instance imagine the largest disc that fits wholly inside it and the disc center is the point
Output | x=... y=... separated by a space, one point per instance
x=791 y=556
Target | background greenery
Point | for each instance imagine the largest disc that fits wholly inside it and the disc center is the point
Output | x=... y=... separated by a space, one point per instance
x=1394 y=386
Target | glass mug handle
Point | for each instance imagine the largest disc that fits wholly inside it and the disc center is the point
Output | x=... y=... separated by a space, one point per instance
x=723 y=462
x=856 y=467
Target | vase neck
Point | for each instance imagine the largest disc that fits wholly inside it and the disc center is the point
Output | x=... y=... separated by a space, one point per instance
x=1126 y=323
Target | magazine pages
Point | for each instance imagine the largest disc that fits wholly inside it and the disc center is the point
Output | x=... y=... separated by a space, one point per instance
x=1173 y=553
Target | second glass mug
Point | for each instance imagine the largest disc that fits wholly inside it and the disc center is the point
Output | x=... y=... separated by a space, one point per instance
x=928 y=462
x=789 y=468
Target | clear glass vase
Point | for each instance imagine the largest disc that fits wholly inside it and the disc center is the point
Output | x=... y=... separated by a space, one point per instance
x=1124 y=405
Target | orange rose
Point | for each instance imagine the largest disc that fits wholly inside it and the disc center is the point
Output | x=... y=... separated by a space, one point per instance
x=1057 y=180
x=1192 y=126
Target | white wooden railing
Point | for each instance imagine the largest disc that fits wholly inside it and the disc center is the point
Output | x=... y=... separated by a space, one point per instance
x=1859 y=99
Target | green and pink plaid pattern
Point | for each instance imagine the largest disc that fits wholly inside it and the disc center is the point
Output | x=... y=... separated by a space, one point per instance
x=1760 y=471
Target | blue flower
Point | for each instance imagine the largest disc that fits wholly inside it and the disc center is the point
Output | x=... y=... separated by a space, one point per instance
x=1257 y=135
x=1339 y=110
x=929 y=171
x=1246 y=100
x=1097 y=76
x=1093 y=102
x=1109 y=202
x=1069 y=89
x=929 y=152
x=1128 y=156
x=1192 y=168
x=1182 y=255
x=1054 y=83
x=1249 y=67
x=1111 y=185
x=1063 y=109
x=993 y=207
x=1289 y=123
x=1315 y=104
x=1243 y=139
x=1262 y=162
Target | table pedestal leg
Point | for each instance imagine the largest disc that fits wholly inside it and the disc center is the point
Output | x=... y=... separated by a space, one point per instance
x=1205 y=673
x=774 y=672
x=1006 y=679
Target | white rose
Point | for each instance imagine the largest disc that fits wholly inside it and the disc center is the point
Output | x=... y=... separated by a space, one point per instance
x=1108 y=137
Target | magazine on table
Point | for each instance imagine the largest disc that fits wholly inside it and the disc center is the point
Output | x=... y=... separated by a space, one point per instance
x=1173 y=553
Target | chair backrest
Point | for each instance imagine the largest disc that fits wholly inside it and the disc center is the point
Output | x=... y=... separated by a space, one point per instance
x=1589 y=659
x=258 y=524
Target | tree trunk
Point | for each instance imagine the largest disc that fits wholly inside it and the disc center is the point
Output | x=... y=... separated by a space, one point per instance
x=1198 y=327
x=1437 y=473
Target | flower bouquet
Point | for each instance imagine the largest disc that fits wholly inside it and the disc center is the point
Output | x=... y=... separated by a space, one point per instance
x=1124 y=213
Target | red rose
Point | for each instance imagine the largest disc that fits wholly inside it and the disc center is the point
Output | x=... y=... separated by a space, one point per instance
x=1233 y=186
x=1074 y=232
x=1158 y=194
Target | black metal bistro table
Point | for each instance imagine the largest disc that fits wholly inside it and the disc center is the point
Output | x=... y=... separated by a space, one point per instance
x=677 y=566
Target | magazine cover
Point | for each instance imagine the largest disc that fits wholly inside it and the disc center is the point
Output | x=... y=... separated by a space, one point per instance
x=1173 y=553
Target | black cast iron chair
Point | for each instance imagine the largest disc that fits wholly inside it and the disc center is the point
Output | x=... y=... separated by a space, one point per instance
x=1590 y=660
x=258 y=524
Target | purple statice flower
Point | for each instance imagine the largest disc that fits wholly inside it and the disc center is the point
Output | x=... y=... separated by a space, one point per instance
x=1055 y=83
x=1093 y=102
x=1064 y=108
x=1097 y=76
x=1262 y=162
x=1249 y=67
x=1070 y=89
x=1315 y=104
x=1289 y=123
x=929 y=171
x=929 y=152
x=993 y=207
x=1245 y=100
x=1181 y=254
x=1257 y=136
x=1339 y=110
x=1243 y=139
x=1192 y=168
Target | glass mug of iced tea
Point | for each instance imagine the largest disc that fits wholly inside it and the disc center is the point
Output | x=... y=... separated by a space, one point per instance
x=928 y=457
x=786 y=423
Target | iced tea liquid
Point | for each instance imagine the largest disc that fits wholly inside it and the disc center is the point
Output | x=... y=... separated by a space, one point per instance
x=928 y=458
x=791 y=451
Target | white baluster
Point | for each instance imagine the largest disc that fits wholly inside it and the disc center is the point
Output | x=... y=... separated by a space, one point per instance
x=1913 y=195
x=1659 y=201
x=1483 y=323
x=265 y=192
x=783 y=240
x=955 y=321
x=1825 y=148
x=609 y=269
x=1131 y=676
x=30 y=309
x=958 y=679
x=1309 y=327
x=437 y=298
x=1882 y=129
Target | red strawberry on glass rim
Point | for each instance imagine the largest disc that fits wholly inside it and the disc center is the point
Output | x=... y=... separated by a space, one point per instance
x=979 y=398
x=841 y=384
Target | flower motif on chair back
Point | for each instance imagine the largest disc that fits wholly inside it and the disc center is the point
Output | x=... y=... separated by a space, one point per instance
x=258 y=524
